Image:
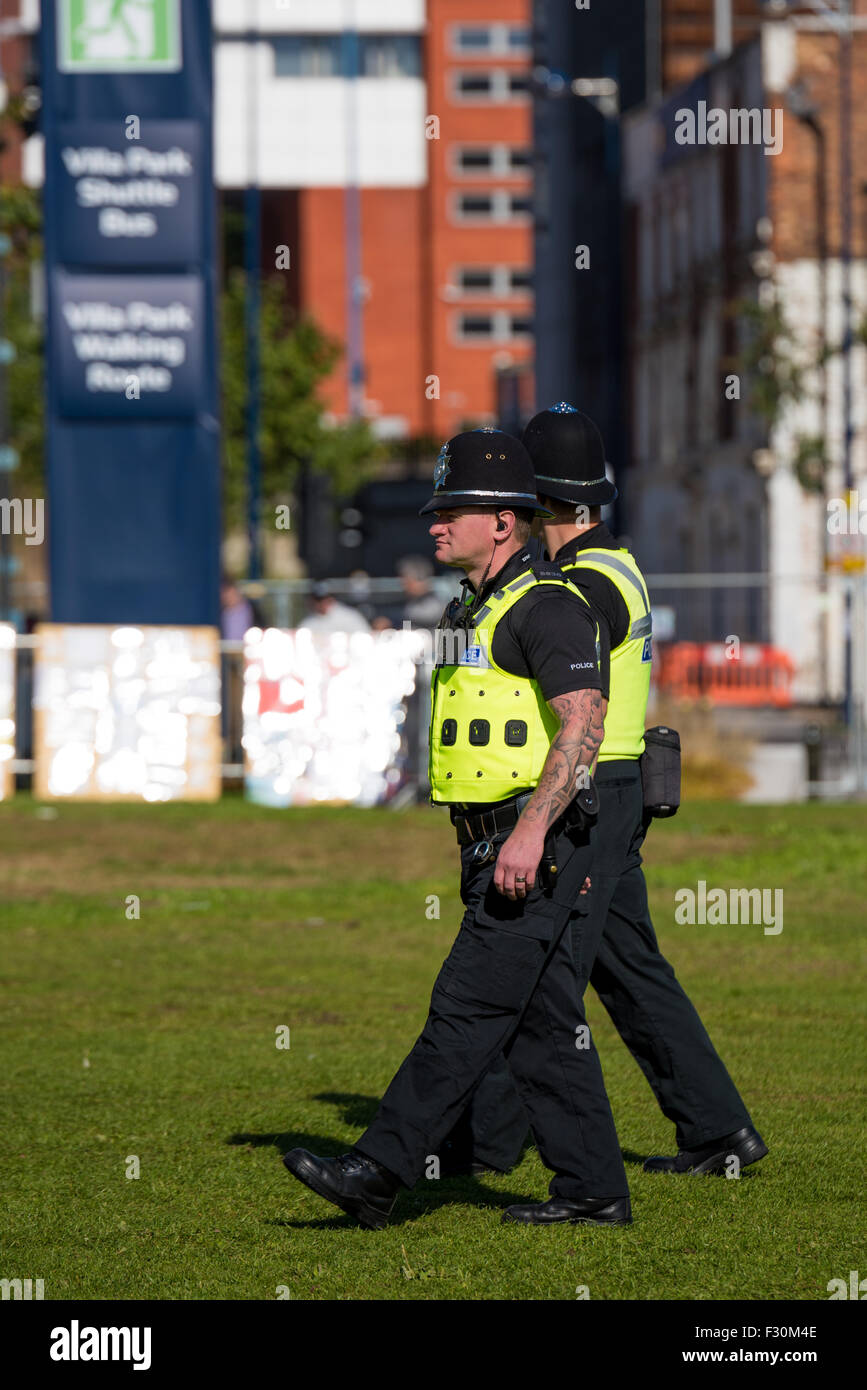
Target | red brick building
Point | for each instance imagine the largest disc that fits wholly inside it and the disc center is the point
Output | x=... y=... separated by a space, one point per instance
x=446 y=265
x=478 y=206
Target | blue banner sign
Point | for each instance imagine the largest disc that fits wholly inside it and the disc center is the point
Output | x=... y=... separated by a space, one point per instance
x=128 y=346
x=129 y=201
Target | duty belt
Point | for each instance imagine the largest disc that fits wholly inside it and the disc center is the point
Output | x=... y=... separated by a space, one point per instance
x=487 y=824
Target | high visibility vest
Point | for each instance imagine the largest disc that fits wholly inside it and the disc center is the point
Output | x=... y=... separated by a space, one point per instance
x=630 y=662
x=490 y=730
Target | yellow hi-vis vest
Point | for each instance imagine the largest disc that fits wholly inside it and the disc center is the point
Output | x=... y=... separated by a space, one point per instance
x=490 y=731
x=630 y=662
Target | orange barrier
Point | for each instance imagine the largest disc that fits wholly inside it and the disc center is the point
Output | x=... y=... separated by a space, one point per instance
x=758 y=675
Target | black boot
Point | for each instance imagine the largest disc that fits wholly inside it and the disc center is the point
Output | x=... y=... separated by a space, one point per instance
x=588 y=1211
x=747 y=1145
x=356 y=1184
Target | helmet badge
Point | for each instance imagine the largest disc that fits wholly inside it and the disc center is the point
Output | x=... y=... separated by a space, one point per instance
x=442 y=470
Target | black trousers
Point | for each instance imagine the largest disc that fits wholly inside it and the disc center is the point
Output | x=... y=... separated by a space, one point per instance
x=508 y=988
x=617 y=951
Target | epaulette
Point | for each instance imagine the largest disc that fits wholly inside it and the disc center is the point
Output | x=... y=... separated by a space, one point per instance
x=549 y=569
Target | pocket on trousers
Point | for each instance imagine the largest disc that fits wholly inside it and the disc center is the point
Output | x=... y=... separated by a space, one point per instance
x=492 y=969
x=531 y=917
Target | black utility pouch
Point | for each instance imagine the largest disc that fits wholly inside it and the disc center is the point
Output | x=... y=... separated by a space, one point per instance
x=583 y=810
x=660 y=771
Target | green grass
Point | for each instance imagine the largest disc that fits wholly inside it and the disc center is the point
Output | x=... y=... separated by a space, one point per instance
x=252 y=919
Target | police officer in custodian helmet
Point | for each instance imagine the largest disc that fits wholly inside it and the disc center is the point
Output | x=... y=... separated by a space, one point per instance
x=516 y=721
x=616 y=948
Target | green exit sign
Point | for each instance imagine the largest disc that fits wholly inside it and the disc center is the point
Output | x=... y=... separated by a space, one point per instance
x=119 y=35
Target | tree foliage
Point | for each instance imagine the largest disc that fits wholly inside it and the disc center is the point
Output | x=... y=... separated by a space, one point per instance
x=780 y=369
x=296 y=357
x=21 y=221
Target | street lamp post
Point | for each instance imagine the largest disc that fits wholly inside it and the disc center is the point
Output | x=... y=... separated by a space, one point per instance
x=253 y=310
x=846 y=291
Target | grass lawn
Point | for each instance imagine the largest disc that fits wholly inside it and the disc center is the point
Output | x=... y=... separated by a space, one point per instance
x=155 y=1039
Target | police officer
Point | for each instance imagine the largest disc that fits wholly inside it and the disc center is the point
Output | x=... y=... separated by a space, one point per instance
x=515 y=726
x=635 y=982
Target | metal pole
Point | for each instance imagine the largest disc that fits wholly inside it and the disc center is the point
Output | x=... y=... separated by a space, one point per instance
x=252 y=311
x=352 y=222
x=722 y=28
x=5 y=476
x=846 y=291
x=653 y=51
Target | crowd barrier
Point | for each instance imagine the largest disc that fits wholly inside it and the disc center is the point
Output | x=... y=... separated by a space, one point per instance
x=139 y=713
x=753 y=674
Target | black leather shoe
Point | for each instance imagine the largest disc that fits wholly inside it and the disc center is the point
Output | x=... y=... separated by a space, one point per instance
x=589 y=1211
x=352 y=1182
x=746 y=1144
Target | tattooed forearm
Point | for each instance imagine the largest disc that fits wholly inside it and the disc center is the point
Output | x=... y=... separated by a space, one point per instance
x=571 y=755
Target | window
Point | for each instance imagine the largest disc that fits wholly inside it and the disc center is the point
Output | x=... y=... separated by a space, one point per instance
x=519 y=83
x=511 y=39
x=489 y=84
x=475 y=327
x=500 y=281
x=472 y=38
x=499 y=326
x=500 y=161
x=307 y=55
x=475 y=84
x=520 y=281
x=390 y=55
x=476 y=280
x=327 y=55
x=475 y=205
x=472 y=159
x=496 y=206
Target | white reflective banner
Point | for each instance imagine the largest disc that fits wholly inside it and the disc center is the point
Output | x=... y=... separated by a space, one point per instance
x=7 y=709
x=324 y=715
x=127 y=713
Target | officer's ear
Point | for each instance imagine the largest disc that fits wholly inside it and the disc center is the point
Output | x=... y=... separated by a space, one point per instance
x=501 y=525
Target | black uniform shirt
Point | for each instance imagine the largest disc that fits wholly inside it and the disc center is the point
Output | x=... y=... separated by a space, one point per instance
x=547 y=636
x=607 y=600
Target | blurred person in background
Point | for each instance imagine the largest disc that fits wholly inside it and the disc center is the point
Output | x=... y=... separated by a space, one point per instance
x=422 y=607
x=329 y=615
x=237 y=612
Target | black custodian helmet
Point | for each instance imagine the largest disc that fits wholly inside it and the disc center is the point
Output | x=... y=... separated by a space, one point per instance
x=484 y=468
x=568 y=456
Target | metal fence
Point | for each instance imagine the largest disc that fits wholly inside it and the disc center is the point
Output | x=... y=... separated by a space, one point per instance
x=749 y=608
